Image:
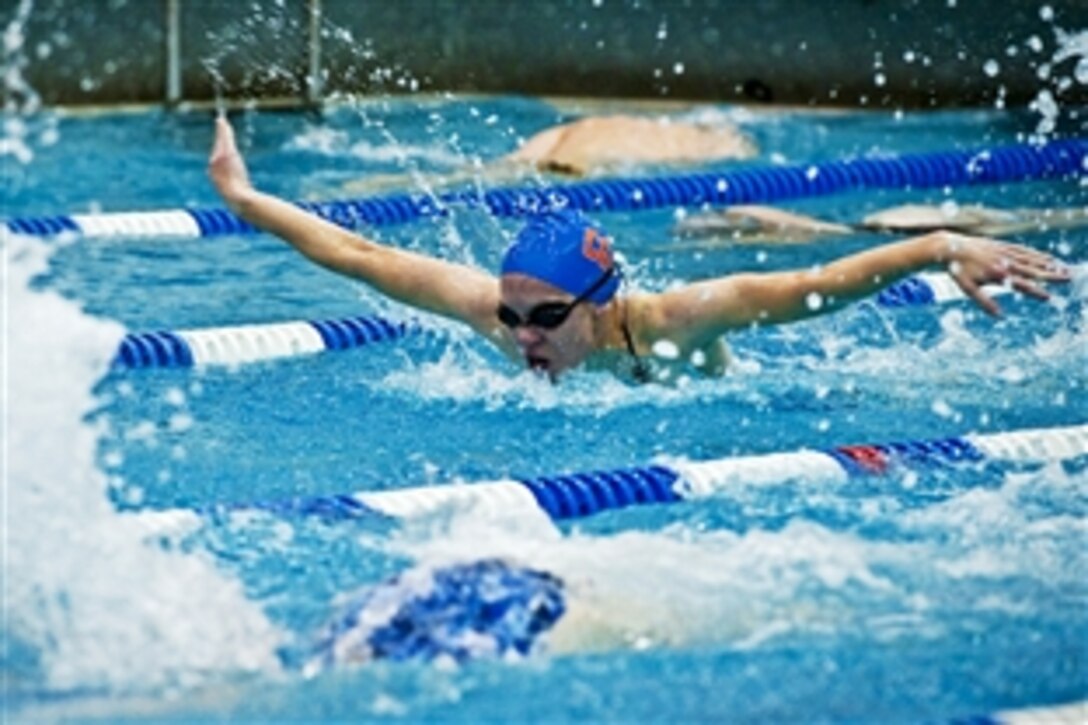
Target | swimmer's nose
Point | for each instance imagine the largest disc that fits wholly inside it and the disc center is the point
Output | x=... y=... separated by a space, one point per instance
x=526 y=335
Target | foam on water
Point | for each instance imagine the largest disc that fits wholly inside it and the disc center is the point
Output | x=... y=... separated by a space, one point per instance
x=93 y=604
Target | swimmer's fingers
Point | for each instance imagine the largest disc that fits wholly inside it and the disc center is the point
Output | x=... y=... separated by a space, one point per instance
x=1037 y=265
x=1030 y=289
x=224 y=138
x=1014 y=274
x=226 y=167
x=974 y=291
x=1026 y=276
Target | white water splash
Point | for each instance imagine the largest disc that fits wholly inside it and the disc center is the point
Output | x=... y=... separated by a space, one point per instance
x=1067 y=68
x=20 y=99
x=95 y=604
x=334 y=143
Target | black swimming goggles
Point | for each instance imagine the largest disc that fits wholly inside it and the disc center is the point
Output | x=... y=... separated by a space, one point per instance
x=550 y=315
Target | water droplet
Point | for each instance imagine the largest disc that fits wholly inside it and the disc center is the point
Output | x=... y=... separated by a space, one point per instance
x=991 y=68
x=678 y=69
x=814 y=301
x=1081 y=71
x=180 y=422
x=942 y=408
x=909 y=480
x=666 y=349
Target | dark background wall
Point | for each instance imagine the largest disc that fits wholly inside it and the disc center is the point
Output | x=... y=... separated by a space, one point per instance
x=903 y=53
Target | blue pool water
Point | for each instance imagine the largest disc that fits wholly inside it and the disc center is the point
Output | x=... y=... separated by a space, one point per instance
x=925 y=597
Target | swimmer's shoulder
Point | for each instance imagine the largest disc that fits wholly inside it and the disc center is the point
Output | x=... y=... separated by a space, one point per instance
x=665 y=350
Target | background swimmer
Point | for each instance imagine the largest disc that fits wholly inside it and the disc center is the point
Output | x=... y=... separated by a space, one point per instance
x=754 y=224
x=598 y=145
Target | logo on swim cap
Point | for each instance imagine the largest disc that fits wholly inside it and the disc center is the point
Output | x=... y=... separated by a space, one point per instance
x=597 y=247
x=565 y=250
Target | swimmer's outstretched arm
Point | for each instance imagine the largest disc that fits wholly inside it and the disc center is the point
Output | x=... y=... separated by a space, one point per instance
x=453 y=290
x=703 y=311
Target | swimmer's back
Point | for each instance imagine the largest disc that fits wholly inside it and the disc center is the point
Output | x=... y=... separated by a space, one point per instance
x=582 y=146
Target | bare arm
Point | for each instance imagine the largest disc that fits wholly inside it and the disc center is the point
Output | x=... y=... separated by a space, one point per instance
x=702 y=311
x=448 y=289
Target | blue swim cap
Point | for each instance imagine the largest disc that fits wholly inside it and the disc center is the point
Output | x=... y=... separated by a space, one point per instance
x=486 y=608
x=565 y=250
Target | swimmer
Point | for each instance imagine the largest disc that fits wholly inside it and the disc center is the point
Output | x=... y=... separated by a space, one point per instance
x=597 y=145
x=752 y=224
x=556 y=305
x=458 y=612
x=488 y=608
x=591 y=144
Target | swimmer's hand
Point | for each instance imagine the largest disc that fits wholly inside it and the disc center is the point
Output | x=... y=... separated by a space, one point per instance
x=226 y=167
x=977 y=261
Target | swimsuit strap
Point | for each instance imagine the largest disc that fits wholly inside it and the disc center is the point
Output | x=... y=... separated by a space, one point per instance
x=641 y=370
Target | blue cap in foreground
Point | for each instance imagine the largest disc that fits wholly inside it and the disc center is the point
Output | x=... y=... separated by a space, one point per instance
x=486 y=608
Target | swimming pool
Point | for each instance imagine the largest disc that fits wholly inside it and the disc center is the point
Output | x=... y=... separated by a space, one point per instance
x=927 y=595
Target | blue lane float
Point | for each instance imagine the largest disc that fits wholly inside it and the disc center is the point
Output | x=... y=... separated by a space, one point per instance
x=1022 y=162
x=574 y=495
x=244 y=344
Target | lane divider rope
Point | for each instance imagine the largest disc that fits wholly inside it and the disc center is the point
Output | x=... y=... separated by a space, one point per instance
x=242 y=344
x=1018 y=162
x=575 y=495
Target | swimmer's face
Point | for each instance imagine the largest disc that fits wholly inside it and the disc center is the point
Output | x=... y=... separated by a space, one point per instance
x=530 y=305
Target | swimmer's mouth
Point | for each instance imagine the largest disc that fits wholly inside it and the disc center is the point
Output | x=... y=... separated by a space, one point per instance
x=537 y=364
